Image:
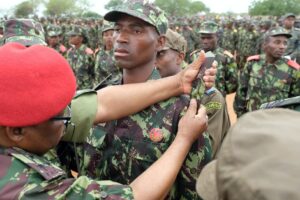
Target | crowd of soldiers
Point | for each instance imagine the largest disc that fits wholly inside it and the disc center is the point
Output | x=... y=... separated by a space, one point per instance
x=137 y=131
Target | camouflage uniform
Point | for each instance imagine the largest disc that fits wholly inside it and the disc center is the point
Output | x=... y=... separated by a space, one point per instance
x=260 y=83
x=105 y=68
x=229 y=38
x=82 y=62
x=130 y=145
x=28 y=176
x=54 y=30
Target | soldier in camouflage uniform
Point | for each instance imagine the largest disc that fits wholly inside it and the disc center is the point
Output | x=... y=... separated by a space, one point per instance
x=169 y=61
x=227 y=75
x=127 y=147
x=247 y=43
x=54 y=37
x=31 y=127
x=25 y=31
x=229 y=37
x=107 y=73
x=81 y=58
x=268 y=77
x=293 y=48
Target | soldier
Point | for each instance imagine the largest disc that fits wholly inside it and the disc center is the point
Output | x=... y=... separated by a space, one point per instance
x=81 y=58
x=25 y=31
x=226 y=79
x=169 y=62
x=31 y=127
x=259 y=159
x=191 y=38
x=107 y=73
x=268 y=77
x=130 y=145
x=54 y=37
x=229 y=37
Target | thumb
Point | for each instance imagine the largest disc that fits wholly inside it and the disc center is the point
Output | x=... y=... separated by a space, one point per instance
x=199 y=61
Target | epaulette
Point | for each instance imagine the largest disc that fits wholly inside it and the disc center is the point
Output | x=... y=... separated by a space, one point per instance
x=89 y=51
x=255 y=57
x=293 y=64
x=227 y=53
x=210 y=91
x=196 y=51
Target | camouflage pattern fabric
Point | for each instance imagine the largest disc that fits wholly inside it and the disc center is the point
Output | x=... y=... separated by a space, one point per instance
x=143 y=10
x=105 y=66
x=25 y=31
x=293 y=48
x=82 y=62
x=260 y=83
x=60 y=48
x=229 y=40
x=28 y=176
x=127 y=147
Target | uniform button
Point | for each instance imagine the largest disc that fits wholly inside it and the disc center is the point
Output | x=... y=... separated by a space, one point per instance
x=103 y=195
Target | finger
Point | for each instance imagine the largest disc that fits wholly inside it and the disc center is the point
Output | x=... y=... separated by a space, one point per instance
x=192 y=108
x=214 y=64
x=199 y=61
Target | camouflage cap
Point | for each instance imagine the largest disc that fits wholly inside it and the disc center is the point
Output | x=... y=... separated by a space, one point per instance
x=288 y=15
x=278 y=31
x=25 y=31
x=261 y=149
x=76 y=30
x=175 y=41
x=208 y=27
x=143 y=10
x=107 y=26
x=53 y=30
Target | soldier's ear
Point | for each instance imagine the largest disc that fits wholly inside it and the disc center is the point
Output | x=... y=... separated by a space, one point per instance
x=15 y=134
x=180 y=58
x=161 y=41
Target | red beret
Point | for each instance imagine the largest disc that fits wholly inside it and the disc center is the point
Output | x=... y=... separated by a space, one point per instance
x=36 y=83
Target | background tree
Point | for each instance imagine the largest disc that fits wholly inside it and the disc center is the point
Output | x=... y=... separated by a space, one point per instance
x=113 y=3
x=274 y=7
x=181 y=7
x=58 y=7
x=26 y=8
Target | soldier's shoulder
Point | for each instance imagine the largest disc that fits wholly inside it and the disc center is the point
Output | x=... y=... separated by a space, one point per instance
x=253 y=58
x=293 y=64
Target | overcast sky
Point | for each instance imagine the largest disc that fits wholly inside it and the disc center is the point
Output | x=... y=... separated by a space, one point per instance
x=237 y=6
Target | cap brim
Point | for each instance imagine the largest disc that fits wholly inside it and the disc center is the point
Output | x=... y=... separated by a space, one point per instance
x=207 y=183
x=26 y=41
x=282 y=34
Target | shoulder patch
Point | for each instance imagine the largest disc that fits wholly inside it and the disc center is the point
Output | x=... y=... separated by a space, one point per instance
x=293 y=64
x=255 y=57
x=213 y=106
x=89 y=51
x=227 y=53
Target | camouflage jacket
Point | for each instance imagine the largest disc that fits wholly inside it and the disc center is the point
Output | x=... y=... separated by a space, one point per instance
x=229 y=40
x=127 y=147
x=82 y=62
x=260 y=82
x=24 y=175
x=60 y=48
x=293 y=47
x=105 y=66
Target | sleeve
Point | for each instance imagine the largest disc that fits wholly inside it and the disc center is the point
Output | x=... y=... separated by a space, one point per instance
x=84 y=109
x=220 y=78
x=240 y=102
x=295 y=87
x=231 y=75
x=76 y=189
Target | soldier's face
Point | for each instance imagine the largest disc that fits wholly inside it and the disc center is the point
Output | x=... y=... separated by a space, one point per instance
x=167 y=62
x=289 y=22
x=52 y=41
x=108 y=39
x=208 y=42
x=75 y=39
x=275 y=47
x=135 y=42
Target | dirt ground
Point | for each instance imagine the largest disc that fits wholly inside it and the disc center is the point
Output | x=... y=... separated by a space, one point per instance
x=229 y=101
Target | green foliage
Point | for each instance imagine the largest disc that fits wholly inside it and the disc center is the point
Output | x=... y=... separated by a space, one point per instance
x=90 y=14
x=113 y=3
x=274 y=7
x=24 y=9
x=58 y=7
x=181 y=7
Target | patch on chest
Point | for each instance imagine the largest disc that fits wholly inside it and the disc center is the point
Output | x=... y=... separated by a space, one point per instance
x=156 y=135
